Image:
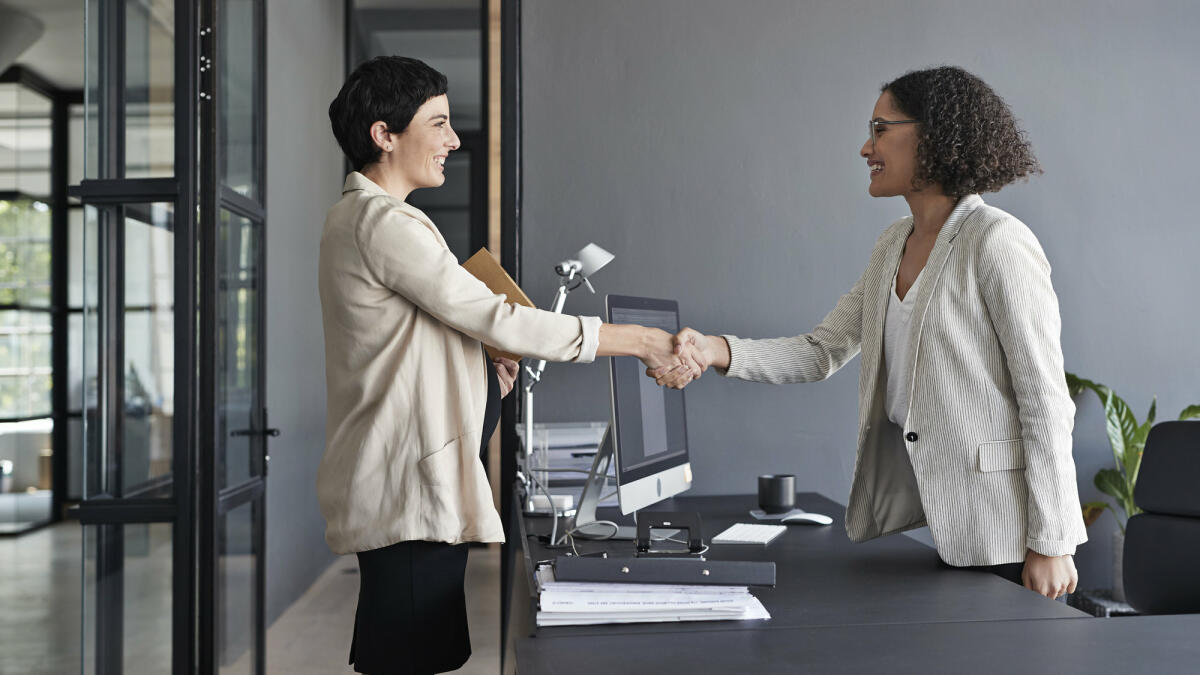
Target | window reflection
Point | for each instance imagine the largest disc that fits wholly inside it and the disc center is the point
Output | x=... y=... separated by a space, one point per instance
x=149 y=368
x=149 y=88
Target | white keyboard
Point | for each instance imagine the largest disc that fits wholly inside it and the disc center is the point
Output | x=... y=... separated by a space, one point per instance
x=746 y=533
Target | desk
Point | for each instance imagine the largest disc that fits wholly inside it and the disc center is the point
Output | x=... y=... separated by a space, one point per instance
x=1159 y=645
x=837 y=605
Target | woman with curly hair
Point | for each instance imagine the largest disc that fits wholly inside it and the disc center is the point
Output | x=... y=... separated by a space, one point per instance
x=964 y=416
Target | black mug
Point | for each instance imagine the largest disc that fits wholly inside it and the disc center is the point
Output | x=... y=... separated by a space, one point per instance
x=777 y=492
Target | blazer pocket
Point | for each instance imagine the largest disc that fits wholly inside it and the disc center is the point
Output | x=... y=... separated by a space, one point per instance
x=442 y=466
x=440 y=474
x=1001 y=455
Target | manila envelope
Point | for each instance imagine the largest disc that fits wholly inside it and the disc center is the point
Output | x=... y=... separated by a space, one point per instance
x=484 y=266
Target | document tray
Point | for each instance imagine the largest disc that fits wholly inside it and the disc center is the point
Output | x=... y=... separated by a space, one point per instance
x=665 y=571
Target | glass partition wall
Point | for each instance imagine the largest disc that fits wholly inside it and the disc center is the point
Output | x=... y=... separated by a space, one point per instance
x=174 y=460
x=34 y=212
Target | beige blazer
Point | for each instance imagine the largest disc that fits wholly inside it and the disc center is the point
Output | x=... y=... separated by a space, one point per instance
x=988 y=434
x=406 y=375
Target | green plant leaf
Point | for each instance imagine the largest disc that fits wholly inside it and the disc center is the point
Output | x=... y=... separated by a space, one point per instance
x=1190 y=413
x=1092 y=511
x=1112 y=413
x=1112 y=483
x=1133 y=454
x=1074 y=385
x=1121 y=426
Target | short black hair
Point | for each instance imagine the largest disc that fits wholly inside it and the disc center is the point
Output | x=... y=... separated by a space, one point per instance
x=386 y=89
x=968 y=138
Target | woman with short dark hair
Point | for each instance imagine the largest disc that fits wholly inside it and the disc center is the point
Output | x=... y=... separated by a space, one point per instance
x=412 y=399
x=964 y=416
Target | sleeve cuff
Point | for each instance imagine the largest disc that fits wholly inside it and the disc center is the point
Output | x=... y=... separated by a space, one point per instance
x=735 y=355
x=590 y=325
x=1050 y=547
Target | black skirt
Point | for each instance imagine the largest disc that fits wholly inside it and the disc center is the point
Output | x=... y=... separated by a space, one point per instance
x=412 y=611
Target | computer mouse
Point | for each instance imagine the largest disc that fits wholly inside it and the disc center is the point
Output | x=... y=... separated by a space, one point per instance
x=807 y=519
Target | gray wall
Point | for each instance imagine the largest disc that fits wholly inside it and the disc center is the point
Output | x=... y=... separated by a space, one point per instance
x=304 y=178
x=713 y=147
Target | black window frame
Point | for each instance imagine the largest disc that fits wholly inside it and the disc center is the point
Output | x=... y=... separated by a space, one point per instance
x=110 y=512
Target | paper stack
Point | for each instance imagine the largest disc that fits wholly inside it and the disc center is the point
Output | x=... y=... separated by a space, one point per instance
x=578 y=603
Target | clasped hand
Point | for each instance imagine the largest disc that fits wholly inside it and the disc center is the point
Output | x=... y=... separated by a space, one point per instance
x=682 y=358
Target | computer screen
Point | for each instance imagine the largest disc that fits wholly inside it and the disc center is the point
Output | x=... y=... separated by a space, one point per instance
x=649 y=422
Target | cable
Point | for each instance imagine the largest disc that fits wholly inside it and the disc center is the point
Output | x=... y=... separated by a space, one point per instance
x=553 y=509
x=616 y=528
x=569 y=535
x=677 y=541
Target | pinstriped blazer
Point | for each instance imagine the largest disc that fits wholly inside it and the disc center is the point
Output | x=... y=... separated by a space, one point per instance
x=984 y=457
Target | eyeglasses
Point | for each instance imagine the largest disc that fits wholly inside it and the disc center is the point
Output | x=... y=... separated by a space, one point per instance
x=877 y=126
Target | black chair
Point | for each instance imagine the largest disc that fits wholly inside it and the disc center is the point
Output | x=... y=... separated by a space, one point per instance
x=1162 y=545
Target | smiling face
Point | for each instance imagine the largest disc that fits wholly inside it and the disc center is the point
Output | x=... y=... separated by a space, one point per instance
x=892 y=158
x=418 y=156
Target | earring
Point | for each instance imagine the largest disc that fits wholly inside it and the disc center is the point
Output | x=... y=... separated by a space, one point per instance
x=389 y=148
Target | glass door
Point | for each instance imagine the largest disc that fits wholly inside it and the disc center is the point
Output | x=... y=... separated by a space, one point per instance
x=234 y=427
x=137 y=319
x=174 y=462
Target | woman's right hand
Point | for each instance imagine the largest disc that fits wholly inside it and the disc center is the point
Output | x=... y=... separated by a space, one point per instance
x=664 y=355
x=696 y=348
x=656 y=348
x=689 y=345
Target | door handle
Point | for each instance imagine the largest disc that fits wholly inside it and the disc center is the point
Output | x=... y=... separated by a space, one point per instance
x=265 y=431
x=255 y=432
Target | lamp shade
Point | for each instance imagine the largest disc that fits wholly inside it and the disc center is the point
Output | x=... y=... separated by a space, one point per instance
x=18 y=31
x=593 y=258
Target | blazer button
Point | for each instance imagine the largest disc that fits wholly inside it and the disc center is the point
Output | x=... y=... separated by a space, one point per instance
x=911 y=437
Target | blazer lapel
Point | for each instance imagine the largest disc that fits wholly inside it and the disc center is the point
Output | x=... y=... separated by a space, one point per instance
x=931 y=275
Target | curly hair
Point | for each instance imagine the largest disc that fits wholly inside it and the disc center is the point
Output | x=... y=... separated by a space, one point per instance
x=969 y=141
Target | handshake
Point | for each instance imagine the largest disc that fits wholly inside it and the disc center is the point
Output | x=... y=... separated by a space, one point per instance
x=676 y=360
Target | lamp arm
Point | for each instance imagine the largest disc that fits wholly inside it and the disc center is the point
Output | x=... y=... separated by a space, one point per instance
x=591 y=258
x=534 y=375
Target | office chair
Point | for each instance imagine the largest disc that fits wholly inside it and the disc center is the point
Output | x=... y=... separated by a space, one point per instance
x=1162 y=545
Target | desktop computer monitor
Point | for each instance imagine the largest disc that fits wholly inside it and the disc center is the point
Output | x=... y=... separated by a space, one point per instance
x=648 y=432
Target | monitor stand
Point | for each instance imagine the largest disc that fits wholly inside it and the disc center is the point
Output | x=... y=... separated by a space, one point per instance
x=586 y=526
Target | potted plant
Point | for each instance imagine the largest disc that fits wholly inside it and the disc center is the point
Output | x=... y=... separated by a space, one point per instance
x=1128 y=439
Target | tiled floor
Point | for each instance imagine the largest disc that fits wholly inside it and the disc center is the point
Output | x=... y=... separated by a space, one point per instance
x=40 y=609
x=39 y=601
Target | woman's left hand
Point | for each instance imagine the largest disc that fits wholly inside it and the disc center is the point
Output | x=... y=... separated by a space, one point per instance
x=1050 y=576
x=506 y=370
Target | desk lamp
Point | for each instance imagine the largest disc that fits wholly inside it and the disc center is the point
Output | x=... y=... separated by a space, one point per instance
x=572 y=272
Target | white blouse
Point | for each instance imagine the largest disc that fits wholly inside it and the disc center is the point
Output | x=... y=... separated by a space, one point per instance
x=895 y=350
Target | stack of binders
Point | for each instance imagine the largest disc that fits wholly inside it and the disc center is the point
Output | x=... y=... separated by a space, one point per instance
x=579 y=603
